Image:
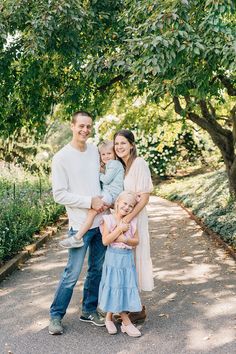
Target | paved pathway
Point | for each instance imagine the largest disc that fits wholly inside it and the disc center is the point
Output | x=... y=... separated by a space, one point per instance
x=191 y=310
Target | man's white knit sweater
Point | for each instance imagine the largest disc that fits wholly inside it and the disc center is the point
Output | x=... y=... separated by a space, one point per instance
x=75 y=180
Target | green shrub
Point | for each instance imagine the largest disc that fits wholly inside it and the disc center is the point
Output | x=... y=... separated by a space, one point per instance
x=165 y=159
x=27 y=206
x=208 y=197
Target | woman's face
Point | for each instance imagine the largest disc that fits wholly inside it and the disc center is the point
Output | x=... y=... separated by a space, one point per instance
x=122 y=147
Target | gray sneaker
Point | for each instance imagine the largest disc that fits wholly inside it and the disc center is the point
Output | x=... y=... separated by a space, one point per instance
x=55 y=326
x=94 y=318
x=101 y=313
x=71 y=242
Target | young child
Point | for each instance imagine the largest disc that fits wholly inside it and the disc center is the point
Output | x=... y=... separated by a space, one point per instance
x=118 y=291
x=112 y=184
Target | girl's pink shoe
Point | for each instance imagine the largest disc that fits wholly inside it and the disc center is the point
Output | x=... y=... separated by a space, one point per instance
x=131 y=330
x=111 y=328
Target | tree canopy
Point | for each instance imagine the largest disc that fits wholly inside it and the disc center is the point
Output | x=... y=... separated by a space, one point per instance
x=78 y=52
x=186 y=50
x=44 y=49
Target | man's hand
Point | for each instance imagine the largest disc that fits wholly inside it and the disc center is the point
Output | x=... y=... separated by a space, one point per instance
x=97 y=204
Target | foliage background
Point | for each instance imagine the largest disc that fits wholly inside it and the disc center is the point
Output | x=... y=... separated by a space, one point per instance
x=164 y=69
x=27 y=206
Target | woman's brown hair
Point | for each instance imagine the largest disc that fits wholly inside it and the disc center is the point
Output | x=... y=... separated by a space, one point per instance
x=133 y=151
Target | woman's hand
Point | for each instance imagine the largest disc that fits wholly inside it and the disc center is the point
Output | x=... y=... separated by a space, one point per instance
x=126 y=219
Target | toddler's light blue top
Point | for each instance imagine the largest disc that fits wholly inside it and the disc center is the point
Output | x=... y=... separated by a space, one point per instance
x=113 y=178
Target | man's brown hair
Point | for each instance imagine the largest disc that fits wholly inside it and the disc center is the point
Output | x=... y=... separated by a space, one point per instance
x=80 y=113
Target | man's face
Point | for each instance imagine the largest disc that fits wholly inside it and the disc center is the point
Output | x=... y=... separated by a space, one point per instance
x=82 y=128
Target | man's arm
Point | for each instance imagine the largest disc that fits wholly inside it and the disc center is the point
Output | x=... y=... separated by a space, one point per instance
x=60 y=186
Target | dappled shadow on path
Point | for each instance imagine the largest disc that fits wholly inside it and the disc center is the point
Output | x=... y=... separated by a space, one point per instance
x=195 y=284
x=191 y=310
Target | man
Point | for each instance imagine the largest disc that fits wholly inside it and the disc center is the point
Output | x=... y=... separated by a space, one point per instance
x=75 y=182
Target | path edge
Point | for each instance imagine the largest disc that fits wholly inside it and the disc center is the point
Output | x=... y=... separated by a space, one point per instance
x=213 y=235
x=14 y=263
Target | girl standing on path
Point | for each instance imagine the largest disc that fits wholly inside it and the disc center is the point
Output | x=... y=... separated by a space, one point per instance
x=137 y=179
x=118 y=290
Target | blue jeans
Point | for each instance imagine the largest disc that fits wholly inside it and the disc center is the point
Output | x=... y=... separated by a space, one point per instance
x=93 y=240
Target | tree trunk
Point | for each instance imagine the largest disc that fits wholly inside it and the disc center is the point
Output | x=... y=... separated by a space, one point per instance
x=231 y=172
x=225 y=143
x=223 y=138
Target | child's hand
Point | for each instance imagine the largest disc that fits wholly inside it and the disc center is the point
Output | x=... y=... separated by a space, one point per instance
x=102 y=168
x=124 y=226
x=121 y=238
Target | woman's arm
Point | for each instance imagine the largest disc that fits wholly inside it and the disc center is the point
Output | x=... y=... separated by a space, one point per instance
x=109 y=237
x=144 y=198
x=133 y=241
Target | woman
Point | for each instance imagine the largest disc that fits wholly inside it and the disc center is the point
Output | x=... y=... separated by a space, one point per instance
x=137 y=179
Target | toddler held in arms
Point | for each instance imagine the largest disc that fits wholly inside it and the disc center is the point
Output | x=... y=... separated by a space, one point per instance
x=112 y=184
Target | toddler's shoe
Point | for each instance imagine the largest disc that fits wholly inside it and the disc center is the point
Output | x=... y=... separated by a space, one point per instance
x=130 y=329
x=71 y=242
x=110 y=326
x=93 y=317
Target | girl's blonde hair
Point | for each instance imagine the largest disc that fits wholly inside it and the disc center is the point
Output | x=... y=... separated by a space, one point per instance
x=106 y=144
x=124 y=194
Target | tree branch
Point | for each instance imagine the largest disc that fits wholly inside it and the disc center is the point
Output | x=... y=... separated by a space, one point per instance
x=213 y=111
x=233 y=118
x=225 y=118
x=233 y=111
x=164 y=108
x=178 y=109
x=219 y=135
x=204 y=109
x=118 y=78
x=187 y=99
x=228 y=85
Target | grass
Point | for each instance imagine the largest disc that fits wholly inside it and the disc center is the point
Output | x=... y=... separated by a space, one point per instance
x=207 y=196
